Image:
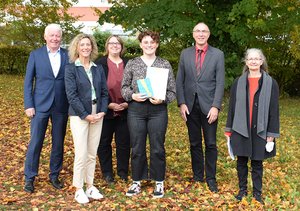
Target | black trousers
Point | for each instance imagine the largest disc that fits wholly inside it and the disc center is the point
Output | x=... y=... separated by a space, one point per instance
x=147 y=119
x=118 y=127
x=196 y=124
x=256 y=173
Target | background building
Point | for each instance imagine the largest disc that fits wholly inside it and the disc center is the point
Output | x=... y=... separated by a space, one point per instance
x=88 y=17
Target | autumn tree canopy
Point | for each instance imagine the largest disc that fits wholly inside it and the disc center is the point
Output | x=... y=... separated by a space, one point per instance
x=23 y=21
x=272 y=25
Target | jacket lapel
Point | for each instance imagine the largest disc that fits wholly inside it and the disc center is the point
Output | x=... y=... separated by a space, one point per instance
x=94 y=73
x=192 y=62
x=82 y=71
x=45 y=56
x=62 y=61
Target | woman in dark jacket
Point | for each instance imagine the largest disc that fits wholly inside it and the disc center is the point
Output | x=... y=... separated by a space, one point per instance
x=87 y=95
x=115 y=122
x=253 y=120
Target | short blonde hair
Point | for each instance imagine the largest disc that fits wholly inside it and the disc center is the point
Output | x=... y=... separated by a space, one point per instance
x=73 y=48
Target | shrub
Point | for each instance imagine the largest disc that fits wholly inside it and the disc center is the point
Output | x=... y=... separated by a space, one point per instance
x=13 y=59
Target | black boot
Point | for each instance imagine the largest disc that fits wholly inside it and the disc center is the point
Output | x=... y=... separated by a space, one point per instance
x=258 y=197
x=241 y=194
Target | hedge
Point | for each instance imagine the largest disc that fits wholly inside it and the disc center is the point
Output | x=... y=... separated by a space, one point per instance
x=13 y=59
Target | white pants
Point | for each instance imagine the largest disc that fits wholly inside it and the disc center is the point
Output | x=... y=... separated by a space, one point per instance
x=86 y=138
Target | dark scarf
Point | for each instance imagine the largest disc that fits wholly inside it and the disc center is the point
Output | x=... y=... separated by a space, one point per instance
x=240 y=115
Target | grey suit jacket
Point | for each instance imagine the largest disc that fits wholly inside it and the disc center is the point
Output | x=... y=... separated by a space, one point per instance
x=209 y=85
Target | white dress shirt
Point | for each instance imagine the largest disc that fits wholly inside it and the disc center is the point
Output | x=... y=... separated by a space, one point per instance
x=55 y=61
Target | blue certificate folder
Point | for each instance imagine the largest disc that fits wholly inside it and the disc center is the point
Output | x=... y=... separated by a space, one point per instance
x=144 y=87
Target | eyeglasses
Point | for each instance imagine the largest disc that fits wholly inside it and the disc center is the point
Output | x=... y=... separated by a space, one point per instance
x=200 y=31
x=254 y=59
x=114 y=43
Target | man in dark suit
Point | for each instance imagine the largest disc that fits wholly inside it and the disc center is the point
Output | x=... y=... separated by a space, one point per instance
x=44 y=98
x=200 y=89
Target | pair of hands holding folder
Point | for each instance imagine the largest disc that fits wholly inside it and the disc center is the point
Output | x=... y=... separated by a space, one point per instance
x=140 y=97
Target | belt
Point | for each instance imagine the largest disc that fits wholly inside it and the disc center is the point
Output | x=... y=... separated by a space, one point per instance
x=94 y=101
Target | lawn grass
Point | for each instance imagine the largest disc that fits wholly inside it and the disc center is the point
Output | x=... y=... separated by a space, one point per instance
x=281 y=189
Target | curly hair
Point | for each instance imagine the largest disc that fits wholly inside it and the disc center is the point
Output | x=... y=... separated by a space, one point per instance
x=154 y=35
x=73 y=48
x=119 y=40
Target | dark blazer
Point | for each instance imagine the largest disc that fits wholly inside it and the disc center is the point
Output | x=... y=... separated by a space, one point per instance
x=78 y=89
x=209 y=85
x=254 y=146
x=41 y=88
x=103 y=62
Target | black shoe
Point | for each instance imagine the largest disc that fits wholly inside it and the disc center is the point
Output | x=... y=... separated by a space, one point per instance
x=124 y=178
x=109 y=179
x=28 y=187
x=241 y=195
x=212 y=185
x=257 y=197
x=56 y=183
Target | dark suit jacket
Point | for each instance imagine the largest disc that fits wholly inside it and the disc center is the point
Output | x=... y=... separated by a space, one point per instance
x=41 y=88
x=79 y=93
x=103 y=62
x=209 y=85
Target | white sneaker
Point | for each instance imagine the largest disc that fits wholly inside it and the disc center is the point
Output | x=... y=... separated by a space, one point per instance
x=93 y=193
x=159 y=190
x=80 y=197
x=134 y=189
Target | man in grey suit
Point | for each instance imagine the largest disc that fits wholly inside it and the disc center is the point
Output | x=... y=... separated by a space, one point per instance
x=200 y=89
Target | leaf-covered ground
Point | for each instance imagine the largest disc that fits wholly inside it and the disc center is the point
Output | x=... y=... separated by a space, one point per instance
x=281 y=189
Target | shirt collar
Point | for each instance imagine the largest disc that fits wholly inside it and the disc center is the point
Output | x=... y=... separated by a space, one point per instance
x=78 y=63
x=48 y=50
x=203 y=49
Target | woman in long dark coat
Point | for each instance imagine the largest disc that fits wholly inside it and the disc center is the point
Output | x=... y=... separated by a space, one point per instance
x=253 y=120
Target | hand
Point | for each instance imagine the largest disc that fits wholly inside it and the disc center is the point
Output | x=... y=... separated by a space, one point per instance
x=115 y=107
x=124 y=105
x=155 y=101
x=138 y=97
x=270 y=139
x=184 y=111
x=30 y=112
x=93 y=118
x=212 y=115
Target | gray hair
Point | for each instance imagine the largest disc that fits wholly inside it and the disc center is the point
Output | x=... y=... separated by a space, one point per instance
x=53 y=26
x=264 y=65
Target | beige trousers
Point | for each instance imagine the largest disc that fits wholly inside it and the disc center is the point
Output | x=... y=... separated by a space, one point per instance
x=86 y=137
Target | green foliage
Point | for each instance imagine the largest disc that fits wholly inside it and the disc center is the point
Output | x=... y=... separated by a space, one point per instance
x=132 y=48
x=101 y=38
x=25 y=21
x=13 y=59
x=272 y=25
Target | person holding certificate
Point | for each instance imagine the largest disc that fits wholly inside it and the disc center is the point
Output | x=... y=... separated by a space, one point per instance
x=253 y=121
x=147 y=115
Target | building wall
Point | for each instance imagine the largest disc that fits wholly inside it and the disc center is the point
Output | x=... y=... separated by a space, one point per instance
x=88 y=18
